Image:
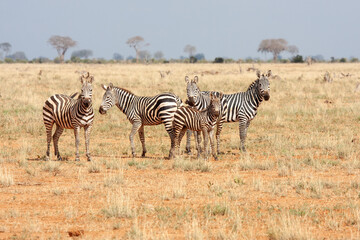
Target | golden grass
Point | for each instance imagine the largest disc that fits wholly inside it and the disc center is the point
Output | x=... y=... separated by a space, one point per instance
x=298 y=180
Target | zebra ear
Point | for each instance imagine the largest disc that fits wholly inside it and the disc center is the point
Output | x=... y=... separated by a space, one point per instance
x=269 y=74
x=258 y=73
x=91 y=80
x=104 y=87
x=186 y=79
x=111 y=86
x=196 y=79
x=221 y=95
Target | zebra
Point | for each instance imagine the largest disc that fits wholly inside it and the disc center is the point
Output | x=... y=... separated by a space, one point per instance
x=141 y=110
x=201 y=100
x=193 y=119
x=241 y=107
x=67 y=112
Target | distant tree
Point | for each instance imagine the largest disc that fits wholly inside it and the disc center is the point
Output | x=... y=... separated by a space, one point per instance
x=190 y=50
x=200 y=56
x=318 y=58
x=61 y=44
x=274 y=46
x=158 y=55
x=5 y=47
x=17 y=56
x=292 y=49
x=84 y=53
x=137 y=43
x=193 y=59
x=144 y=55
x=343 y=60
x=297 y=59
x=219 y=60
x=130 y=58
x=118 y=57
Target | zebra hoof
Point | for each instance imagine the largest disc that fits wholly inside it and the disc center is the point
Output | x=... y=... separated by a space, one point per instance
x=59 y=158
x=47 y=158
x=77 y=159
x=89 y=159
x=143 y=154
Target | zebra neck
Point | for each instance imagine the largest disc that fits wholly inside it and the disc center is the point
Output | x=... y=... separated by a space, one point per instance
x=124 y=100
x=253 y=95
x=80 y=108
x=202 y=102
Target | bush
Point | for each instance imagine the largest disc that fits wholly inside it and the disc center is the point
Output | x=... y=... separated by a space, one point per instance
x=193 y=59
x=219 y=60
x=354 y=60
x=297 y=59
x=343 y=60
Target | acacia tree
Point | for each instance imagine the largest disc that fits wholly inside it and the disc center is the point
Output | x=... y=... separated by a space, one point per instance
x=61 y=44
x=292 y=49
x=190 y=50
x=137 y=43
x=274 y=46
x=5 y=47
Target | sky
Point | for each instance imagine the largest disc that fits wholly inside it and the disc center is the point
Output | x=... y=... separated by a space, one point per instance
x=217 y=28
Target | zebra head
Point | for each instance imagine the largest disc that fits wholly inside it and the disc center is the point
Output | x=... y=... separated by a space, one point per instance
x=264 y=84
x=108 y=98
x=215 y=104
x=86 y=89
x=192 y=90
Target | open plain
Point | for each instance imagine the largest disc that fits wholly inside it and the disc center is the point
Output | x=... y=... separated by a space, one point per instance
x=300 y=177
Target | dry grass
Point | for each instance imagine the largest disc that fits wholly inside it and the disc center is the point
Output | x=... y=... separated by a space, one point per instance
x=298 y=180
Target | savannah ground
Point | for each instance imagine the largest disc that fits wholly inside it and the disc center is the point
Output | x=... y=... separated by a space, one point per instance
x=298 y=180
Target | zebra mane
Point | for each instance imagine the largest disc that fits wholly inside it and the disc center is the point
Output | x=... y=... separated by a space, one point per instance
x=251 y=86
x=125 y=90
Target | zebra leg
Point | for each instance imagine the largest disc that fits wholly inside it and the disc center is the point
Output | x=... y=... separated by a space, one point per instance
x=206 y=139
x=181 y=135
x=48 y=139
x=218 y=131
x=77 y=141
x=87 y=141
x=197 y=136
x=211 y=136
x=142 y=140
x=242 y=129
x=188 y=141
x=135 y=128
x=57 y=134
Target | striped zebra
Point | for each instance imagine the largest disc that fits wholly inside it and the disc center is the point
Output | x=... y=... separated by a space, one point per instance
x=195 y=120
x=201 y=100
x=67 y=112
x=141 y=111
x=241 y=107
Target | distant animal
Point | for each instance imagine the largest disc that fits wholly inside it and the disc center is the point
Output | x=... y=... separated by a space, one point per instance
x=141 y=110
x=201 y=121
x=242 y=106
x=66 y=112
x=201 y=100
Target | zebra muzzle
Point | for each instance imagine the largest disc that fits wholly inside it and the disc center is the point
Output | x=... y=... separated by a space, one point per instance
x=266 y=96
x=102 y=111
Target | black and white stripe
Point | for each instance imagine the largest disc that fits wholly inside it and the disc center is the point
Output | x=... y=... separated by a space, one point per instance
x=201 y=121
x=242 y=106
x=67 y=112
x=141 y=110
x=201 y=100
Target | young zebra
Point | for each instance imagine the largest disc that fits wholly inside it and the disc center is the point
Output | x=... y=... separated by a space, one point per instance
x=67 y=112
x=141 y=110
x=201 y=100
x=241 y=107
x=195 y=120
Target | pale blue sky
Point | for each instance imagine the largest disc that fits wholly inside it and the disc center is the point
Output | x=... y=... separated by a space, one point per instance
x=226 y=28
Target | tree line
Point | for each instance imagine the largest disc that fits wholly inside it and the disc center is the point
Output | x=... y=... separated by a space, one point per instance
x=63 y=43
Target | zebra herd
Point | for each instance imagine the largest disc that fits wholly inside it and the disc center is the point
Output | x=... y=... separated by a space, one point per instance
x=204 y=110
